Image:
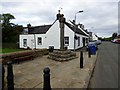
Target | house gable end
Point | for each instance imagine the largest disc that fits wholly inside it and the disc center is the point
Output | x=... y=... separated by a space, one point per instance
x=40 y=29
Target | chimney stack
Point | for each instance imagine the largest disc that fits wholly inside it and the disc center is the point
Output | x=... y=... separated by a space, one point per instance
x=28 y=25
x=59 y=15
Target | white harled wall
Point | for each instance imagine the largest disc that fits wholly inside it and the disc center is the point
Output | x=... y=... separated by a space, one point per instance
x=51 y=38
x=30 y=40
x=81 y=43
x=69 y=33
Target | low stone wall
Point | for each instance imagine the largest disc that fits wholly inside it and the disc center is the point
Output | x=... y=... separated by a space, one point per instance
x=36 y=53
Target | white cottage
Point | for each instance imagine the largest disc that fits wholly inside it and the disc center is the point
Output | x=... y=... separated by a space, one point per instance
x=44 y=36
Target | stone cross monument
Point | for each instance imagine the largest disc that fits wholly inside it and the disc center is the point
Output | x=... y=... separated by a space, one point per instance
x=61 y=20
x=62 y=54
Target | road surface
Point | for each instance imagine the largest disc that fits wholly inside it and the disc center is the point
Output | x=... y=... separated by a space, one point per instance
x=106 y=71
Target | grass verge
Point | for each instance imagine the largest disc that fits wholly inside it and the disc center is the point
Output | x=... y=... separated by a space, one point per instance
x=6 y=50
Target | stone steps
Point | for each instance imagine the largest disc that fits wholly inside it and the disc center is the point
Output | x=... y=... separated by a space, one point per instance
x=62 y=55
x=62 y=59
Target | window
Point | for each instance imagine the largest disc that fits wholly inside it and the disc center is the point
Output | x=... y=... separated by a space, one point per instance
x=66 y=40
x=86 y=40
x=39 y=40
x=25 y=42
x=78 y=41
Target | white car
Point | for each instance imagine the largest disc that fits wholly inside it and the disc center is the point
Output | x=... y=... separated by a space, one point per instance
x=98 y=42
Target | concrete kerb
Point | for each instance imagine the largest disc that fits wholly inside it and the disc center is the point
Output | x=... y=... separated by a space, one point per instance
x=91 y=72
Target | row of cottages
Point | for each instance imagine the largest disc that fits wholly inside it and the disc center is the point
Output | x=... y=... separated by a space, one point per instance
x=38 y=37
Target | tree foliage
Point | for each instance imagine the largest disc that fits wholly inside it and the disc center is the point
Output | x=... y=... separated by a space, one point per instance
x=119 y=36
x=10 y=31
x=114 y=35
x=6 y=18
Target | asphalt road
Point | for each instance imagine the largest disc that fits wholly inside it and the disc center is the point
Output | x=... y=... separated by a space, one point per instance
x=106 y=71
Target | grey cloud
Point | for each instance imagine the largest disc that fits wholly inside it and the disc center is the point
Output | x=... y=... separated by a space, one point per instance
x=100 y=15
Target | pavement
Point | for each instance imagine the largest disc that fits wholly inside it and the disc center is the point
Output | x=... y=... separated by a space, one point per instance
x=106 y=70
x=29 y=74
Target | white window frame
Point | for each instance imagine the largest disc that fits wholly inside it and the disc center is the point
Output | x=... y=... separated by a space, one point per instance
x=66 y=41
x=25 y=42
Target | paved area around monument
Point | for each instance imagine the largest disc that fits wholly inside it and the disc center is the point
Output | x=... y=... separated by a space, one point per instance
x=29 y=74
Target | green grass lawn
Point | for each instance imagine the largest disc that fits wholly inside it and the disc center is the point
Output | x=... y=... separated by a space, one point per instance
x=6 y=50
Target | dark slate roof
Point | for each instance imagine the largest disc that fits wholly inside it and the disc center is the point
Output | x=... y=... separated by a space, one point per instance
x=39 y=29
x=44 y=28
x=81 y=28
x=77 y=29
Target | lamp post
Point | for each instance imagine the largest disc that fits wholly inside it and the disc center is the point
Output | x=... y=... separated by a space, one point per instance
x=90 y=34
x=75 y=27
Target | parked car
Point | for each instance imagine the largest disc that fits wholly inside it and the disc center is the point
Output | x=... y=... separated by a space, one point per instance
x=112 y=41
x=92 y=43
x=98 y=42
x=117 y=41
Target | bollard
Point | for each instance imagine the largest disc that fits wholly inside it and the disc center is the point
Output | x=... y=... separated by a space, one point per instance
x=3 y=74
x=81 y=59
x=89 y=54
x=46 y=85
x=10 y=81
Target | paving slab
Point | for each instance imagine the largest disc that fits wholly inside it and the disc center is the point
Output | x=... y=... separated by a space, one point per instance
x=67 y=74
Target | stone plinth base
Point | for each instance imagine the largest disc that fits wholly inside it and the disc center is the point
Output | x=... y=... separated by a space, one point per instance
x=62 y=55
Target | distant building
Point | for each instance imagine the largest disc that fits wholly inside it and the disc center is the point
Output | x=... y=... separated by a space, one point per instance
x=95 y=37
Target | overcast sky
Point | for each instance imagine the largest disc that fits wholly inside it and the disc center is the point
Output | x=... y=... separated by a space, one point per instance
x=99 y=16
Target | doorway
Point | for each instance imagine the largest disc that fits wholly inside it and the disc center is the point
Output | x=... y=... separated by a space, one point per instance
x=83 y=41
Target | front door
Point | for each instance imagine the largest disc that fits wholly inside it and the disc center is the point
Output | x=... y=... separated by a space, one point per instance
x=83 y=42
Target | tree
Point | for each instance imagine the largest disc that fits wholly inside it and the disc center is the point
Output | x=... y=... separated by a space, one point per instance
x=119 y=36
x=10 y=31
x=6 y=18
x=114 y=35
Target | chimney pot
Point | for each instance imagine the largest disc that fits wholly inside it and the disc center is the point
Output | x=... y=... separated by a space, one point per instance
x=58 y=11
x=74 y=21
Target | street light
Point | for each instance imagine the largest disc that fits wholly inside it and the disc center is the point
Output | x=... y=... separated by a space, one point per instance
x=75 y=27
